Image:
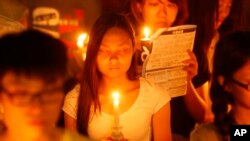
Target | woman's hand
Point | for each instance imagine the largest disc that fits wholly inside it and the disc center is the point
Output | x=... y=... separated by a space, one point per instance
x=191 y=65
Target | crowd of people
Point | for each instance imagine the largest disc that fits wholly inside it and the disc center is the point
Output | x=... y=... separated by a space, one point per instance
x=55 y=100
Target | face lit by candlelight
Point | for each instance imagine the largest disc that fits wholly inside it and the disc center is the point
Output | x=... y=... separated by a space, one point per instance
x=115 y=53
x=240 y=94
x=158 y=13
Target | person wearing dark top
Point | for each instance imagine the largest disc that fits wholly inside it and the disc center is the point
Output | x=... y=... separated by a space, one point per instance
x=191 y=108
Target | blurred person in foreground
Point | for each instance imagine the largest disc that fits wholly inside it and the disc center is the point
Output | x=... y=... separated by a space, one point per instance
x=32 y=76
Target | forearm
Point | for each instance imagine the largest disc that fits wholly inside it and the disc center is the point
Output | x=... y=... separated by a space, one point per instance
x=161 y=124
x=195 y=104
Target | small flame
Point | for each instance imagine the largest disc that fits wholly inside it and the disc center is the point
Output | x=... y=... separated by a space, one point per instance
x=116 y=98
x=81 y=40
x=146 y=32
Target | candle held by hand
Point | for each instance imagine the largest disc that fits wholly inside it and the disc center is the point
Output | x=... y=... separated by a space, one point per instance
x=116 y=130
x=145 y=44
x=116 y=104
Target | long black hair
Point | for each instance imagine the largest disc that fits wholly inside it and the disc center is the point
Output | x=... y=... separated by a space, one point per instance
x=231 y=53
x=33 y=53
x=91 y=76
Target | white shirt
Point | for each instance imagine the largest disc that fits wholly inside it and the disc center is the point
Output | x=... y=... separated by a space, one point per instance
x=135 y=122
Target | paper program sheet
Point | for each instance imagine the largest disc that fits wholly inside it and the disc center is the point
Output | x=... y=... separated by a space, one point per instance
x=164 y=63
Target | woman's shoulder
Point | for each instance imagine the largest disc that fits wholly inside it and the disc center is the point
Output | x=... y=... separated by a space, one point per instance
x=70 y=101
x=204 y=132
x=74 y=93
x=150 y=85
x=205 y=127
x=153 y=94
x=152 y=89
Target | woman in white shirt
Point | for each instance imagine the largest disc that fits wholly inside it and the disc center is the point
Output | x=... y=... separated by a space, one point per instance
x=110 y=66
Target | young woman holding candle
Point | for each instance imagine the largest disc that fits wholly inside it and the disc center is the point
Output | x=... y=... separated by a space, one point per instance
x=191 y=108
x=144 y=109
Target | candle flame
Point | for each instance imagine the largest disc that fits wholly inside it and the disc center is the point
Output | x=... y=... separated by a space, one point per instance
x=81 y=39
x=116 y=102
x=116 y=98
x=146 y=32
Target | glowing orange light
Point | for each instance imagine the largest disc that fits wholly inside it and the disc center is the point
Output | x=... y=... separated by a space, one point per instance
x=81 y=40
x=146 y=32
x=116 y=103
x=81 y=44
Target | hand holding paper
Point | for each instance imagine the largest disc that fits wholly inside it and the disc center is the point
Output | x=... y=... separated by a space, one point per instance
x=169 y=64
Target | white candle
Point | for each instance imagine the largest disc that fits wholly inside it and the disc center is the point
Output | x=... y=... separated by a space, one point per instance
x=116 y=103
x=146 y=41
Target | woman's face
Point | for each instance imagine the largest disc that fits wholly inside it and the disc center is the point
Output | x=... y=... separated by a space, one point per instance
x=241 y=95
x=158 y=13
x=115 y=53
x=30 y=105
x=223 y=12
